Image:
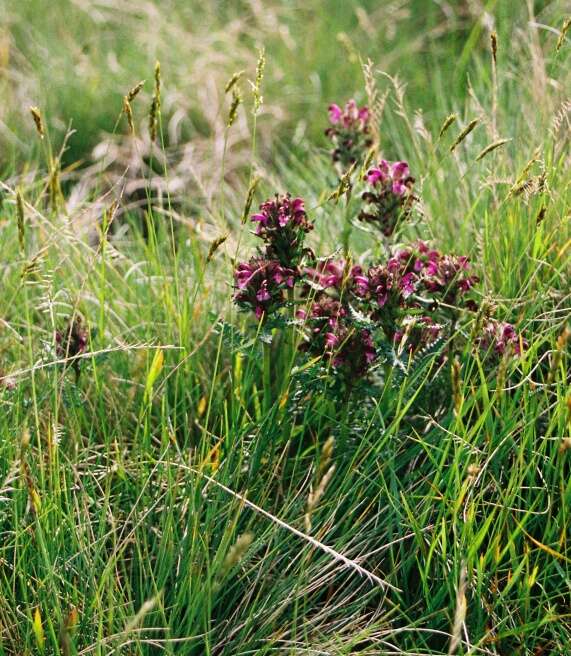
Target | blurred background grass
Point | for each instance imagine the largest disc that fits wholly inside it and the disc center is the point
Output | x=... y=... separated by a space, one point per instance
x=77 y=59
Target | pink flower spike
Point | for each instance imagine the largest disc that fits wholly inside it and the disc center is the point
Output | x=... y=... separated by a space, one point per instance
x=335 y=113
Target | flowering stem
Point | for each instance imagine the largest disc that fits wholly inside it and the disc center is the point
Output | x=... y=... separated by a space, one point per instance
x=267 y=379
x=347 y=230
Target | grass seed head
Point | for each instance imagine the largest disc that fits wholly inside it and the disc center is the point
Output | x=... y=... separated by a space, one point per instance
x=250 y=198
x=37 y=116
x=155 y=104
x=260 y=66
x=448 y=121
x=134 y=92
x=128 y=111
x=491 y=147
x=236 y=102
x=563 y=34
x=494 y=46
x=465 y=132
x=233 y=81
x=237 y=551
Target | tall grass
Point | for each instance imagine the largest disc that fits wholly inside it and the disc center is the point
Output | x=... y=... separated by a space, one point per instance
x=175 y=498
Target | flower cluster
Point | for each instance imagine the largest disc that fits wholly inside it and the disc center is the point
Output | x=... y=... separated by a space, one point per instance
x=71 y=342
x=350 y=132
x=260 y=283
x=444 y=277
x=499 y=338
x=389 y=199
x=332 y=332
x=282 y=225
x=408 y=299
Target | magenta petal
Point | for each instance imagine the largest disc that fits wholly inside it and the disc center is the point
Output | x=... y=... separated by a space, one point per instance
x=374 y=175
x=263 y=295
x=400 y=170
x=262 y=218
x=335 y=113
x=331 y=340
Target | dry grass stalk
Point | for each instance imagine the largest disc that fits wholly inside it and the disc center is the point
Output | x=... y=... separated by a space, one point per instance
x=323 y=475
x=494 y=49
x=316 y=495
x=460 y=615
x=457 y=386
x=20 y=216
x=376 y=104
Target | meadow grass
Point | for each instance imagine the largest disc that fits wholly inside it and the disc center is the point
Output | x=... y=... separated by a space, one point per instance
x=186 y=487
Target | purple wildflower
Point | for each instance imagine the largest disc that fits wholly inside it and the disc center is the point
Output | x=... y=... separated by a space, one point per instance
x=391 y=284
x=390 y=198
x=444 y=275
x=501 y=337
x=71 y=342
x=349 y=132
x=260 y=285
x=338 y=275
x=332 y=334
x=283 y=224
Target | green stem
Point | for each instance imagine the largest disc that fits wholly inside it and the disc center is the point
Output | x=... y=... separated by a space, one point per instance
x=267 y=347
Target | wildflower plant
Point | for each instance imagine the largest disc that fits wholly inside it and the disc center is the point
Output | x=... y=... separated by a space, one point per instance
x=349 y=132
x=411 y=299
x=388 y=199
x=261 y=282
x=72 y=341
